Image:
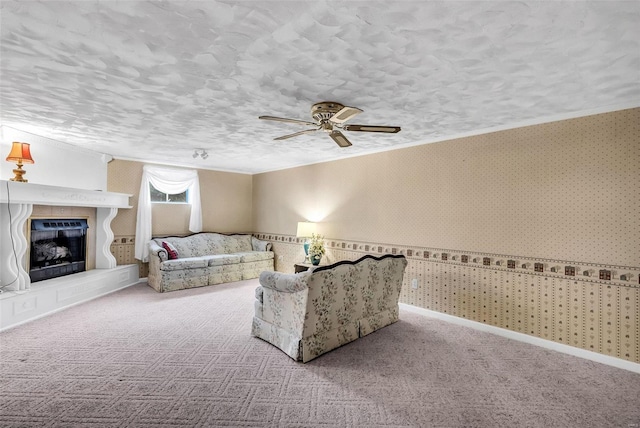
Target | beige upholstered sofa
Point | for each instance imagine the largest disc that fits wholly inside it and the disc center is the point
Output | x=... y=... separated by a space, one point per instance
x=310 y=313
x=206 y=259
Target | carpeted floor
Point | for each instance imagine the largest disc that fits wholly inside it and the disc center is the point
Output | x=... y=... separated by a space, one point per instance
x=137 y=358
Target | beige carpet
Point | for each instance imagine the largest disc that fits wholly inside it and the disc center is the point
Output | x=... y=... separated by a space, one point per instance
x=137 y=358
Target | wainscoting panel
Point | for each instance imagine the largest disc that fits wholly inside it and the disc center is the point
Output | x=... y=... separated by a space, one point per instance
x=582 y=304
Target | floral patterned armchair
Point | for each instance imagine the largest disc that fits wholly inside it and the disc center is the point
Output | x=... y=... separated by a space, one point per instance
x=310 y=313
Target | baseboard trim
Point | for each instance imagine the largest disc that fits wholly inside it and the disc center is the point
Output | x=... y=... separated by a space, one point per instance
x=521 y=337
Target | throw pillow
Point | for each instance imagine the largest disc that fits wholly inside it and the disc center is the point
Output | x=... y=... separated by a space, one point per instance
x=171 y=250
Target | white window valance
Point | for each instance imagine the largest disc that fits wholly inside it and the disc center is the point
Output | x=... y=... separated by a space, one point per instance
x=171 y=181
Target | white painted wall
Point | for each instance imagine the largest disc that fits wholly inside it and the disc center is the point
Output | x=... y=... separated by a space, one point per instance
x=56 y=163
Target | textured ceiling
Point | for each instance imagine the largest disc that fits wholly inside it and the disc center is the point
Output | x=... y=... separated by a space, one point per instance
x=155 y=80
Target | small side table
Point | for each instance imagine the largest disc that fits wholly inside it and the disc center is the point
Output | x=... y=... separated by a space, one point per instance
x=303 y=267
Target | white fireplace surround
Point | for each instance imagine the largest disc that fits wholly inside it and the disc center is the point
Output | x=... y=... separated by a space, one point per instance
x=20 y=199
x=20 y=302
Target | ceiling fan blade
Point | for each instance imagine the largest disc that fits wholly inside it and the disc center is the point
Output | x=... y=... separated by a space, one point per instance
x=284 y=119
x=339 y=138
x=372 y=128
x=345 y=114
x=306 y=131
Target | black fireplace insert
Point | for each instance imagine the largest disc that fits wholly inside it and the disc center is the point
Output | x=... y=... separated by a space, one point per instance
x=58 y=248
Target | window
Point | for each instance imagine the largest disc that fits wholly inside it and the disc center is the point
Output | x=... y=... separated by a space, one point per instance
x=178 y=198
x=172 y=181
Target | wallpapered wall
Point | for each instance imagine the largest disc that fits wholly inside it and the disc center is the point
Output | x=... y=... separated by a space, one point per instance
x=226 y=207
x=565 y=195
x=566 y=190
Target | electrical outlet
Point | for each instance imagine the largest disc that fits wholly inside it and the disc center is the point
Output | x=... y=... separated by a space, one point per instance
x=414 y=283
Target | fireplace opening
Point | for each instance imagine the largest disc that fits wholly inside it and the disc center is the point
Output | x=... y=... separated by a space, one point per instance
x=58 y=248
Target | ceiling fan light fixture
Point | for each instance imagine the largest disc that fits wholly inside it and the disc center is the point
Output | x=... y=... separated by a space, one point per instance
x=329 y=114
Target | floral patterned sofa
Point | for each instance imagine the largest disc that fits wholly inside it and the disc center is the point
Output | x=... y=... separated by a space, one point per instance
x=207 y=258
x=310 y=313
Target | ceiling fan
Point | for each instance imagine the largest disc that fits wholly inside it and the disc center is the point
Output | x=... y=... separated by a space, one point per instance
x=331 y=117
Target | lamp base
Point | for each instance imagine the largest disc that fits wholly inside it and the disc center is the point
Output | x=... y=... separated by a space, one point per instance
x=306 y=251
x=19 y=172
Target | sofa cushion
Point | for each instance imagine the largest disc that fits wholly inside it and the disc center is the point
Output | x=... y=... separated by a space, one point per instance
x=190 y=246
x=184 y=263
x=171 y=250
x=222 y=259
x=255 y=256
x=236 y=243
x=209 y=243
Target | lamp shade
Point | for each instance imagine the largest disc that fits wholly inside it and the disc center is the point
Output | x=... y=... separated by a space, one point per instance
x=20 y=153
x=305 y=229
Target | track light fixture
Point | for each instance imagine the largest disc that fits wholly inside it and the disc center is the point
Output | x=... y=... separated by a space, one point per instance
x=200 y=152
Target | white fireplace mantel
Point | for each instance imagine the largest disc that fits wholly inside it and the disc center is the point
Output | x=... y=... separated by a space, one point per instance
x=40 y=194
x=16 y=205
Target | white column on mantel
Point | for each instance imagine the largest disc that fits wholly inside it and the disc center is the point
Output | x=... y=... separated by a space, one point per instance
x=13 y=246
x=104 y=237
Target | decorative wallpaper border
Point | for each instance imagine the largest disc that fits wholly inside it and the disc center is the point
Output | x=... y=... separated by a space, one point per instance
x=623 y=276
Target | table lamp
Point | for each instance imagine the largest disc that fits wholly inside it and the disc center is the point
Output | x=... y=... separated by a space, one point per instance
x=305 y=230
x=20 y=154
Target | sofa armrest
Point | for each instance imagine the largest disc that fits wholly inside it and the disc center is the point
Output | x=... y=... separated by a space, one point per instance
x=260 y=245
x=281 y=301
x=285 y=282
x=157 y=250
